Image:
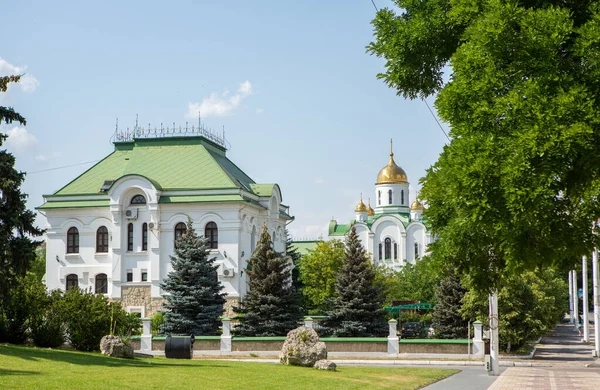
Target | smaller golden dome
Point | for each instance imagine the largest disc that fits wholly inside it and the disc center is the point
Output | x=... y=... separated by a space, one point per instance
x=361 y=207
x=370 y=211
x=416 y=205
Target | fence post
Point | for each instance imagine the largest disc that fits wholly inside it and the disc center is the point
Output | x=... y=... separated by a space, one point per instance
x=309 y=322
x=478 y=344
x=146 y=338
x=393 y=340
x=226 y=336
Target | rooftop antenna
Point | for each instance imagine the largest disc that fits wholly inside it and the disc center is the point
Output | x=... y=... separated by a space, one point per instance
x=136 y=122
x=199 y=119
x=117 y=126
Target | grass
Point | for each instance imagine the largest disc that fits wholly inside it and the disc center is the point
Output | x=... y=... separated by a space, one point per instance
x=37 y=368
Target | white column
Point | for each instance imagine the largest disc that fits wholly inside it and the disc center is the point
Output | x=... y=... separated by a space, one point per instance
x=226 y=336
x=308 y=322
x=575 y=299
x=586 y=322
x=393 y=341
x=570 y=297
x=494 y=343
x=596 y=283
x=146 y=338
x=478 y=344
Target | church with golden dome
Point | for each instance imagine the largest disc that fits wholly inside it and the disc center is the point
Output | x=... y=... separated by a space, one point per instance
x=395 y=232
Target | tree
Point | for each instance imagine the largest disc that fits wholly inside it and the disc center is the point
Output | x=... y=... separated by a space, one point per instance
x=357 y=309
x=294 y=255
x=446 y=313
x=522 y=102
x=271 y=307
x=318 y=272
x=194 y=301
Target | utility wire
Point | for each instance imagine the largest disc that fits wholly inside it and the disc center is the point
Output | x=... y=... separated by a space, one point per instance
x=373 y=1
x=436 y=119
x=65 y=166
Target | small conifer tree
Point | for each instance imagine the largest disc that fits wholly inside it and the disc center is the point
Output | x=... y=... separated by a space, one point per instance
x=294 y=256
x=357 y=309
x=446 y=313
x=194 y=301
x=272 y=305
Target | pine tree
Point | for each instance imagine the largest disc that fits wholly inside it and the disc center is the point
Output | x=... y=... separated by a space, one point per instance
x=194 y=298
x=292 y=253
x=446 y=313
x=358 y=307
x=271 y=307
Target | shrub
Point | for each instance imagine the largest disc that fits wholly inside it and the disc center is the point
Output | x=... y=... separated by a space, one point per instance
x=47 y=326
x=14 y=312
x=157 y=320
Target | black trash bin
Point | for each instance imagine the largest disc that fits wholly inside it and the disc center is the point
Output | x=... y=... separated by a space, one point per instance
x=179 y=347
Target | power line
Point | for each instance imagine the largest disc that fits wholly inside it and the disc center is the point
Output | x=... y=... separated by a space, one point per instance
x=65 y=166
x=373 y=1
x=436 y=119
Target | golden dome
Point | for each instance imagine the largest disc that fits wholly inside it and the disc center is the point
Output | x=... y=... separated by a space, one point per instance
x=416 y=205
x=370 y=211
x=392 y=173
x=361 y=207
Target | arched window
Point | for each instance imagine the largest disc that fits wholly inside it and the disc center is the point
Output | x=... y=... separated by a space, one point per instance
x=102 y=239
x=379 y=198
x=179 y=230
x=390 y=196
x=212 y=233
x=395 y=251
x=130 y=237
x=73 y=240
x=144 y=236
x=101 y=284
x=72 y=281
x=388 y=248
x=402 y=197
x=416 y=250
x=138 y=199
x=380 y=254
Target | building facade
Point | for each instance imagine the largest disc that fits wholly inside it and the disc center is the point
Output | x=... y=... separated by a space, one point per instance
x=113 y=228
x=395 y=232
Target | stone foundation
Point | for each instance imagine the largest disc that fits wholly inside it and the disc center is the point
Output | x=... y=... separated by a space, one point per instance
x=140 y=296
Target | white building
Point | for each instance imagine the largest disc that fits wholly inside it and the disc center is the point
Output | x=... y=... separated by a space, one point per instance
x=394 y=233
x=113 y=228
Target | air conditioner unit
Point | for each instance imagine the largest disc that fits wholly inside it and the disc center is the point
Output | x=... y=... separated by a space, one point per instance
x=131 y=213
x=228 y=272
x=152 y=225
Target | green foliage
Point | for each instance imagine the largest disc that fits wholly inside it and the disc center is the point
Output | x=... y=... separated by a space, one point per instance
x=194 y=299
x=38 y=265
x=318 y=271
x=157 y=320
x=522 y=103
x=446 y=314
x=357 y=308
x=271 y=307
x=295 y=256
x=47 y=326
x=14 y=313
x=529 y=305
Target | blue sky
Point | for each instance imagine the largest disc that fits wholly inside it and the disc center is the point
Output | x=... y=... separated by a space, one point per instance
x=290 y=82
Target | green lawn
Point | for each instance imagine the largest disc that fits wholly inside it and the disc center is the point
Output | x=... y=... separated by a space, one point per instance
x=37 y=368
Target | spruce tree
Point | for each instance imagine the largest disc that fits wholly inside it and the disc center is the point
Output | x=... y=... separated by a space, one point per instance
x=358 y=307
x=272 y=305
x=294 y=256
x=194 y=301
x=446 y=313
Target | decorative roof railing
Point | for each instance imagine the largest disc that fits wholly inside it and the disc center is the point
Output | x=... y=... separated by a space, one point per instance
x=169 y=131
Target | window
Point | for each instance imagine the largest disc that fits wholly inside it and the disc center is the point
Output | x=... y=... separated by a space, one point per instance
x=390 y=196
x=73 y=240
x=144 y=275
x=129 y=275
x=130 y=237
x=402 y=197
x=72 y=281
x=138 y=199
x=212 y=233
x=416 y=250
x=145 y=236
x=179 y=230
x=380 y=254
x=101 y=284
x=388 y=248
x=395 y=251
x=102 y=239
x=379 y=198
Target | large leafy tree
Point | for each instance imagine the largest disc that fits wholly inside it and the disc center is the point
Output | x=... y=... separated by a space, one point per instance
x=517 y=186
x=194 y=299
x=17 y=249
x=357 y=309
x=318 y=272
x=272 y=305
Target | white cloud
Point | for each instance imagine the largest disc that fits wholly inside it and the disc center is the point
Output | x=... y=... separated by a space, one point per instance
x=259 y=111
x=220 y=104
x=20 y=139
x=28 y=83
x=48 y=157
x=320 y=180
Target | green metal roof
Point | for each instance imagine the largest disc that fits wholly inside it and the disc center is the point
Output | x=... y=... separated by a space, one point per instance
x=74 y=204
x=339 y=230
x=200 y=199
x=304 y=247
x=170 y=163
